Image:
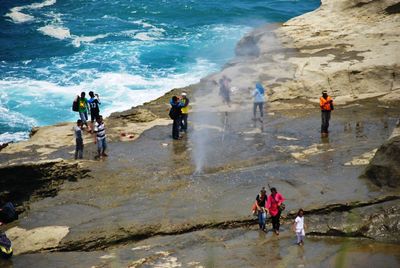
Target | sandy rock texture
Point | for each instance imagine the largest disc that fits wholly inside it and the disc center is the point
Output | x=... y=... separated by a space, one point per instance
x=41 y=238
x=348 y=47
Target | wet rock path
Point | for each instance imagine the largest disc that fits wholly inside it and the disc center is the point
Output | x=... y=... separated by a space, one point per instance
x=146 y=193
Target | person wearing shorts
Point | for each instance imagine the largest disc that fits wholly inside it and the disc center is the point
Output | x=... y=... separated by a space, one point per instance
x=100 y=137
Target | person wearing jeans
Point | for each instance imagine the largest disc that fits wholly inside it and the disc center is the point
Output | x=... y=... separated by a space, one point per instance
x=261 y=210
x=185 y=112
x=83 y=109
x=326 y=105
x=79 y=139
x=274 y=201
x=175 y=114
x=259 y=99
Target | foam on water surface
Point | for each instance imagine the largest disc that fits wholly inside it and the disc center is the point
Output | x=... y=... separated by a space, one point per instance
x=128 y=51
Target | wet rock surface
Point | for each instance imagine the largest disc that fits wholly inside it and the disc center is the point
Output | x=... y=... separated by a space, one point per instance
x=147 y=188
x=158 y=202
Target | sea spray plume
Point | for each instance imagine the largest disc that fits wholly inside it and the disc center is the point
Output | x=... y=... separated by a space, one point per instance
x=217 y=124
x=210 y=123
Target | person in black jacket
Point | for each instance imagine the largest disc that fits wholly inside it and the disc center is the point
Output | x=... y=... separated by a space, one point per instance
x=175 y=113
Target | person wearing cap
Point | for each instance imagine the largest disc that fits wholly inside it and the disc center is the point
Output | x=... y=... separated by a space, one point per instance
x=260 y=204
x=326 y=105
x=185 y=111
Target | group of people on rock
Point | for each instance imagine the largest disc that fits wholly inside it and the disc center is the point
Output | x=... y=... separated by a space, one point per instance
x=97 y=127
x=274 y=205
x=179 y=113
x=325 y=102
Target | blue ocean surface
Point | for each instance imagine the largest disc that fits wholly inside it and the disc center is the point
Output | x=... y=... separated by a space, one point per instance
x=128 y=51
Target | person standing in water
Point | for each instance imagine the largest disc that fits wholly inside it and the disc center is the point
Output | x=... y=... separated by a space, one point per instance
x=185 y=112
x=259 y=99
x=78 y=139
x=299 y=226
x=326 y=105
x=83 y=109
x=260 y=203
x=274 y=203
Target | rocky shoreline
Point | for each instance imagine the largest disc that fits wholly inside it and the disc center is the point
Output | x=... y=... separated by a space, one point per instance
x=93 y=206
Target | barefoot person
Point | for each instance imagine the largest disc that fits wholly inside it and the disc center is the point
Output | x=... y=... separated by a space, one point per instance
x=260 y=203
x=100 y=137
x=326 y=105
x=299 y=226
x=274 y=203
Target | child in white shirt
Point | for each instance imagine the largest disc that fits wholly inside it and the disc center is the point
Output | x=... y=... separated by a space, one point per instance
x=299 y=226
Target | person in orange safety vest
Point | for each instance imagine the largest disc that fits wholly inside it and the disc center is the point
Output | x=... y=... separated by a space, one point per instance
x=326 y=105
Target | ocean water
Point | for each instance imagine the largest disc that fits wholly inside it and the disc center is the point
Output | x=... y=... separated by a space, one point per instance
x=128 y=51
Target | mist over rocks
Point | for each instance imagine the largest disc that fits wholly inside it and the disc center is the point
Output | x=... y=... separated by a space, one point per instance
x=349 y=48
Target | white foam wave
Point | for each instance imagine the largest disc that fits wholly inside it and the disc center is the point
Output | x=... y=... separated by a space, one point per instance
x=118 y=92
x=144 y=36
x=17 y=16
x=13 y=137
x=42 y=4
x=152 y=34
x=78 y=40
x=58 y=32
x=15 y=119
x=143 y=23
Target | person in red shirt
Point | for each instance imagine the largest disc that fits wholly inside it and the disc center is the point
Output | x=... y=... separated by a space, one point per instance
x=274 y=202
x=326 y=105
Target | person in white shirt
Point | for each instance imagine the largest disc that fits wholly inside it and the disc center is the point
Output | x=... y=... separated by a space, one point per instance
x=299 y=226
x=100 y=137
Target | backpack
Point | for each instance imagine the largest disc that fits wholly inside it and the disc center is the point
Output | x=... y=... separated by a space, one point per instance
x=174 y=112
x=8 y=213
x=75 y=104
x=171 y=113
x=6 y=250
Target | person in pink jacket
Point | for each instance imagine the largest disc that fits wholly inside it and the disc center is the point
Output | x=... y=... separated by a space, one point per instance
x=274 y=202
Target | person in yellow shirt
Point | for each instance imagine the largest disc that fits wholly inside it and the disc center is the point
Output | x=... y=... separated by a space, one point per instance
x=185 y=111
x=326 y=105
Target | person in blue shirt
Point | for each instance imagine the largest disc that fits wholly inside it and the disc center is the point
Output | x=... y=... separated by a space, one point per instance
x=259 y=99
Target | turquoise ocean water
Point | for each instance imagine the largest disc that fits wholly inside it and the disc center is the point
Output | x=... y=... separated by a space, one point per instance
x=128 y=51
